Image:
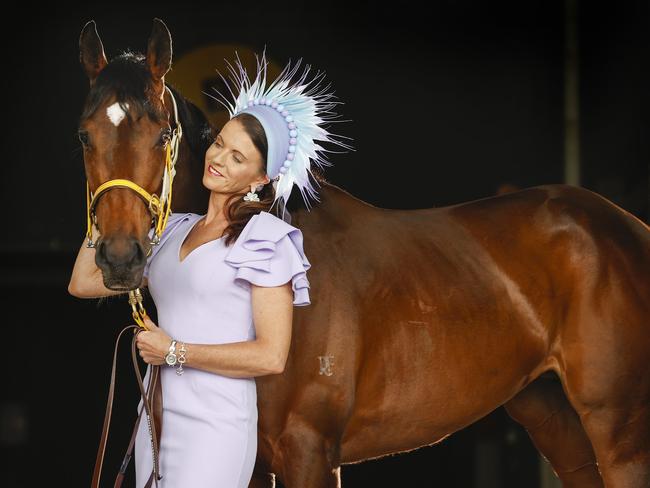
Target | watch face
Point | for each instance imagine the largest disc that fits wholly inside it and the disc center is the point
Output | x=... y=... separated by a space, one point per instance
x=170 y=359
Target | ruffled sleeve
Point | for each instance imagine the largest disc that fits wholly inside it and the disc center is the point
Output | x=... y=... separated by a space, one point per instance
x=269 y=252
x=173 y=222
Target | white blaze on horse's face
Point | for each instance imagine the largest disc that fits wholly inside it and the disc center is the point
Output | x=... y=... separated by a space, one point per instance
x=116 y=114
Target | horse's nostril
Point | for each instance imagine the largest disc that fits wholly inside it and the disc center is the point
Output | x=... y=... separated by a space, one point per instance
x=138 y=254
x=101 y=252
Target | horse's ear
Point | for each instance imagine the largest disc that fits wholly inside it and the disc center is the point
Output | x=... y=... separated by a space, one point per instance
x=91 y=51
x=159 y=50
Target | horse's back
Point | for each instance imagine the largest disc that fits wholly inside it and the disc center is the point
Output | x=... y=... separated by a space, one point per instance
x=554 y=210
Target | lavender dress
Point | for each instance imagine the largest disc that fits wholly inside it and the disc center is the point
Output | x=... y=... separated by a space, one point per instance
x=209 y=431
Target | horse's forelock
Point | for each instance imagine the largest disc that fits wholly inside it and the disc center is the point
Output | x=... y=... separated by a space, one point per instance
x=127 y=79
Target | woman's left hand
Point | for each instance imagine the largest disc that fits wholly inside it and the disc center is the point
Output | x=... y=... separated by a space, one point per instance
x=153 y=343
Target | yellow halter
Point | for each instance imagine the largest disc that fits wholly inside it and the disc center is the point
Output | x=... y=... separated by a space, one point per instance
x=159 y=207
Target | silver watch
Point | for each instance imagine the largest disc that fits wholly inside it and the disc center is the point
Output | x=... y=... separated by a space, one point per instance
x=170 y=357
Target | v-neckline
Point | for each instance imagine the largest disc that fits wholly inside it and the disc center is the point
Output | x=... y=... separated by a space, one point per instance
x=187 y=233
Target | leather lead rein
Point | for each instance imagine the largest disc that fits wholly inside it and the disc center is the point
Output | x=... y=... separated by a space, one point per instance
x=152 y=402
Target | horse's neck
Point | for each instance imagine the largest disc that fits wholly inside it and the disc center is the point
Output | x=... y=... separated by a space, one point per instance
x=189 y=194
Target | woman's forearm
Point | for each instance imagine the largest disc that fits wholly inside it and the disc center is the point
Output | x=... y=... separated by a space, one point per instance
x=236 y=359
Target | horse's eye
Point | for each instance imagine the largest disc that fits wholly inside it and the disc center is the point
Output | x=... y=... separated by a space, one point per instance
x=83 y=137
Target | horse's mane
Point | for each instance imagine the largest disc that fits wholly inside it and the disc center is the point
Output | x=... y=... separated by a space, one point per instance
x=196 y=127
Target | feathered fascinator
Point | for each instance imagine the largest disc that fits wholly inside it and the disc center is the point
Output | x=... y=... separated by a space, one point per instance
x=292 y=115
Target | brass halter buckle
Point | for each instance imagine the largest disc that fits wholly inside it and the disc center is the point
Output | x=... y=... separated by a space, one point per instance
x=137 y=308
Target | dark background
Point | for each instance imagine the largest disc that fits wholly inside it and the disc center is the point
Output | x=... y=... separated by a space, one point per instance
x=446 y=102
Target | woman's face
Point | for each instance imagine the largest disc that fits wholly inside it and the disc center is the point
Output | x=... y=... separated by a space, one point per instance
x=236 y=158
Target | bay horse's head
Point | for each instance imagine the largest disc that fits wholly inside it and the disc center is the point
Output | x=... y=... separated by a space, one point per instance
x=126 y=133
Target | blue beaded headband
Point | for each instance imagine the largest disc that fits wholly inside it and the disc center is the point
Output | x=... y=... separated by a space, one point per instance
x=276 y=123
x=291 y=115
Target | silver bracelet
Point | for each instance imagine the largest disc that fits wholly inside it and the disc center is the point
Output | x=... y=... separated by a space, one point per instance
x=181 y=359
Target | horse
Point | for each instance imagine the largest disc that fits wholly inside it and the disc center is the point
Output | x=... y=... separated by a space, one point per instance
x=126 y=118
x=424 y=321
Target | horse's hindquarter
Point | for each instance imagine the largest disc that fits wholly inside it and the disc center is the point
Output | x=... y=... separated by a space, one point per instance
x=460 y=313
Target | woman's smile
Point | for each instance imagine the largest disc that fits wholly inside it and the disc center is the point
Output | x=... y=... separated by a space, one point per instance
x=213 y=171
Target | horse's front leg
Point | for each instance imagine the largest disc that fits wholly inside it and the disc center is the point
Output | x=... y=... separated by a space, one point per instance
x=304 y=458
x=262 y=479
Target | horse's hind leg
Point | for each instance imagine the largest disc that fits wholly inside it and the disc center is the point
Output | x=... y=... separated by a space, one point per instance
x=618 y=425
x=611 y=394
x=554 y=427
x=605 y=372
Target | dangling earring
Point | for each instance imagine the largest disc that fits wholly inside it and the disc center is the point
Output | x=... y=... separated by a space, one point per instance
x=251 y=196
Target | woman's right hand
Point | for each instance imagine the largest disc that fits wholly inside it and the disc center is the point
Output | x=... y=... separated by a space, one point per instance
x=86 y=280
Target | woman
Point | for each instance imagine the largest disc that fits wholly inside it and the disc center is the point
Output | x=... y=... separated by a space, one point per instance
x=224 y=284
